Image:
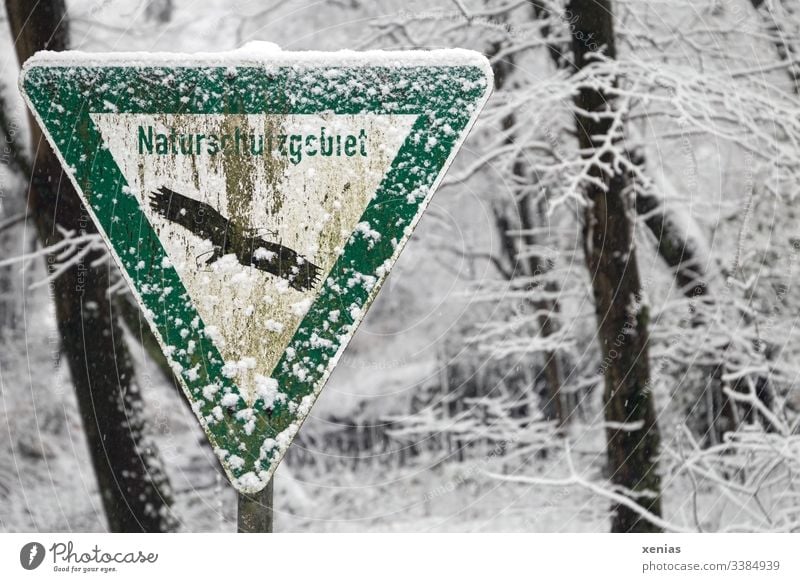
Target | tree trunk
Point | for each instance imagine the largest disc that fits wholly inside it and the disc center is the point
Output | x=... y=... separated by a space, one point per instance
x=12 y=219
x=608 y=222
x=781 y=39
x=131 y=316
x=132 y=483
x=159 y=10
x=675 y=246
x=12 y=242
x=533 y=267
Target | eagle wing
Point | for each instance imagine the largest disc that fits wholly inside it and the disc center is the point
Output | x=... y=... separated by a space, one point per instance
x=250 y=248
x=284 y=262
x=197 y=217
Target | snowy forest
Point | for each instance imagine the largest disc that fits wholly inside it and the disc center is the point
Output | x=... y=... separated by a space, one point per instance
x=591 y=330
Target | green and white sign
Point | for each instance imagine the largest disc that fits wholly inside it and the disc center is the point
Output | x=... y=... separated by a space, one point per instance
x=255 y=201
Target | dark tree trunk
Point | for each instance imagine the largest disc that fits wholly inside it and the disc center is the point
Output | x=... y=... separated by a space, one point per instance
x=675 y=247
x=132 y=483
x=12 y=218
x=159 y=10
x=129 y=313
x=632 y=433
x=12 y=243
x=781 y=39
x=533 y=267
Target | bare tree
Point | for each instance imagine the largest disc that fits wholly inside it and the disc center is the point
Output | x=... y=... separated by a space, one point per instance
x=523 y=266
x=159 y=10
x=12 y=214
x=133 y=486
x=610 y=252
x=774 y=16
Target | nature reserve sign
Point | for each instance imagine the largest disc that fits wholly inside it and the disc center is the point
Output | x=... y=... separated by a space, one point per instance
x=255 y=201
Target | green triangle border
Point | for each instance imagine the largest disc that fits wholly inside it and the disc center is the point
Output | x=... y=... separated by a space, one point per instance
x=445 y=88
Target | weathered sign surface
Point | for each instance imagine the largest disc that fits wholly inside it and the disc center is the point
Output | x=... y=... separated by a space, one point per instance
x=255 y=201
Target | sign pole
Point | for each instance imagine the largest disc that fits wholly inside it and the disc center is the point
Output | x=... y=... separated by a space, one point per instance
x=255 y=511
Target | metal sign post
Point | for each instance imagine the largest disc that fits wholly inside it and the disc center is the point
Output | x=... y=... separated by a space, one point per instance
x=254 y=511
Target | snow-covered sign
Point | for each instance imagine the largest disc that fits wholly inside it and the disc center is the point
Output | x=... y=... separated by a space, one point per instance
x=255 y=201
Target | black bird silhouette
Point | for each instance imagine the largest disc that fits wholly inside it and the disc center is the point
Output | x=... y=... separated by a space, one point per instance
x=250 y=247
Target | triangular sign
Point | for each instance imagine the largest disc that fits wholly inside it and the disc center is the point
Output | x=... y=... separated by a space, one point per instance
x=255 y=201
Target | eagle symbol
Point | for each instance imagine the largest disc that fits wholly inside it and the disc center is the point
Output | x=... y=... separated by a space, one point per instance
x=249 y=245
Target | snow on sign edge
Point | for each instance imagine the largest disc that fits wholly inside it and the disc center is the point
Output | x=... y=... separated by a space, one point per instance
x=268 y=54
